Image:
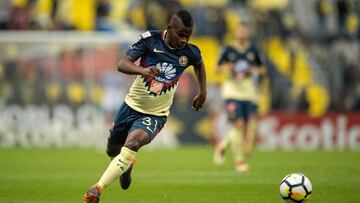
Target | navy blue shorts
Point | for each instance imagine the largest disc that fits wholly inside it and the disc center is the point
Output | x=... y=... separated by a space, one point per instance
x=238 y=109
x=127 y=120
x=254 y=108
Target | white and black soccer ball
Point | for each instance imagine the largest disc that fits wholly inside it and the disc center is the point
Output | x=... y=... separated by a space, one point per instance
x=295 y=187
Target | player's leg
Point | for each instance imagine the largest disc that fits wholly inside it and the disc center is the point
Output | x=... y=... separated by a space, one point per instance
x=119 y=131
x=113 y=150
x=215 y=111
x=236 y=145
x=234 y=112
x=125 y=179
x=93 y=194
x=118 y=165
x=121 y=163
x=152 y=125
x=142 y=131
x=237 y=136
x=118 y=134
x=223 y=144
x=251 y=129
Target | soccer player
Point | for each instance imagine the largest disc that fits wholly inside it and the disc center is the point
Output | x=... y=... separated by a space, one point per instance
x=164 y=55
x=242 y=61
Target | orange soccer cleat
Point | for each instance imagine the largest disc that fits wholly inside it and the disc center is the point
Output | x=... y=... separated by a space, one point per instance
x=93 y=194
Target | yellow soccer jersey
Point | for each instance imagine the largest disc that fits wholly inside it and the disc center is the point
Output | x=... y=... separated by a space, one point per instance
x=239 y=63
x=140 y=98
x=244 y=89
x=155 y=95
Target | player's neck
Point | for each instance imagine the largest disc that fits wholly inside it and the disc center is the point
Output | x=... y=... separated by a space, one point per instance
x=166 y=40
x=241 y=45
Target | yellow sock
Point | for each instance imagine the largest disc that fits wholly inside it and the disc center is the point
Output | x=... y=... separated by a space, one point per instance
x=226 y=140
x=251 y=132
x=236 y=142
x=117 y=166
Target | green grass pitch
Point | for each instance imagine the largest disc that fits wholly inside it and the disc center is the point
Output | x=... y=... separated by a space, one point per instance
x=182 y=175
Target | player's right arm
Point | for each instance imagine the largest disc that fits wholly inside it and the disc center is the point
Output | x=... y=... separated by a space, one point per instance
x=126 y=65
x=223 y=64
x=137 y=50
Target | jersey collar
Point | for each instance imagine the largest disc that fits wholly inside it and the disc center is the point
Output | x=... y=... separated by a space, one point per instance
x=163 y=36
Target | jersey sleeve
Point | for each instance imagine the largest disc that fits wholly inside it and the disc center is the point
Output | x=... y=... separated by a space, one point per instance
x=197 y=58
x=258 y=58
x=138 y=49
x=223 y=56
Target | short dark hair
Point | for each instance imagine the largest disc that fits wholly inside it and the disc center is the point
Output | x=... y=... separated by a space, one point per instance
x=245 y=24
x=185 y=17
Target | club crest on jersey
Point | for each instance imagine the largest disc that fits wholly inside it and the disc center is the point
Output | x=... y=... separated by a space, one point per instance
x=250 y=56
x=232 y=57
x=183 y=60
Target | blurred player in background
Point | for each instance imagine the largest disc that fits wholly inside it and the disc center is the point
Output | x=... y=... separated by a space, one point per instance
x=242 y=62
x=164 y=55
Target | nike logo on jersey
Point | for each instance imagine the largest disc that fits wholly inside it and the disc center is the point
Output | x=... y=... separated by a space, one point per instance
x=158 y=51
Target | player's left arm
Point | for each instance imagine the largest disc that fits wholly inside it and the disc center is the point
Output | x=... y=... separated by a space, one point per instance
x=258 y=68
x=200 y=74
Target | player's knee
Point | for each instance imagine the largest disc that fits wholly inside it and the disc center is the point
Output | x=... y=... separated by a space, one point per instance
x=239 y=123
x=133 y=144
x=136 y=142
x=136 y=139
x=252 y=117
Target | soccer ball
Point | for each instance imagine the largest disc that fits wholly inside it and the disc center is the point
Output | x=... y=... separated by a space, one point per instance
x=295 y=187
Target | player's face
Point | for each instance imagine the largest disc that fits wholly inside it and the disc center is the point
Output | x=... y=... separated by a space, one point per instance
x=178 y=34
x=242 y=32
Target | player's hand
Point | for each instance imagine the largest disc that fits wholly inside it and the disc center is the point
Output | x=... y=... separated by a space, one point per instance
x=150 y=71
x=198 y=101
x=240 y=76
